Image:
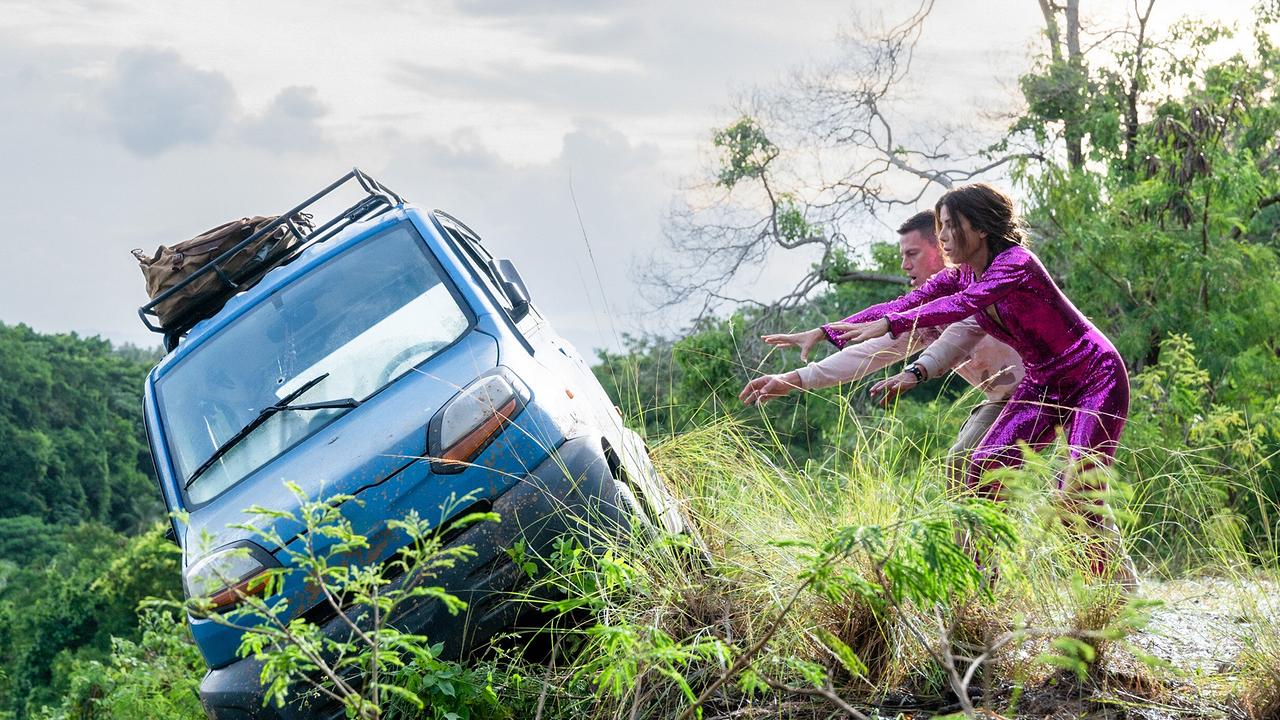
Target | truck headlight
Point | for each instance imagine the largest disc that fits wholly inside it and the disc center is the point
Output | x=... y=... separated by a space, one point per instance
x=228 y=575
x=470 y=420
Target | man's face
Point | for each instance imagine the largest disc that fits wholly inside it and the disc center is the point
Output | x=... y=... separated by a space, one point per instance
x=921 y=256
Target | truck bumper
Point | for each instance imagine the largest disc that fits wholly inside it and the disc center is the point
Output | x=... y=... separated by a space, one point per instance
x=575 y=482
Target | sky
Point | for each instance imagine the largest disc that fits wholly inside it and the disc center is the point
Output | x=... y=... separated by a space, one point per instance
x=561 y=130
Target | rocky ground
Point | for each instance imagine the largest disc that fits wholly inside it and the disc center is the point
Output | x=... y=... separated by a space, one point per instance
x=1200 y=629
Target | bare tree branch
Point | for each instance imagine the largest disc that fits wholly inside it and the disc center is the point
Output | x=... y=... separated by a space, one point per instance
x=1051 y=31
x=859 y=276
x=771 y=194
x=826 y=692
x=1137 y=81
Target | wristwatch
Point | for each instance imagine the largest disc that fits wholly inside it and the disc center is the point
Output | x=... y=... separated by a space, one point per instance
x=915 y=370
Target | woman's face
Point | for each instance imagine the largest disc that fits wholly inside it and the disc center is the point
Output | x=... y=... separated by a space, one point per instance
x=960 y=241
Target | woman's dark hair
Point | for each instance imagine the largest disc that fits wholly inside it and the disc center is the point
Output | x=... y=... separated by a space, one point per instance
x=987 y=209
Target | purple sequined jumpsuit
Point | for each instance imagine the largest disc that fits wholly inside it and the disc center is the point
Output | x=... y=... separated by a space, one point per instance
x=1075 y=378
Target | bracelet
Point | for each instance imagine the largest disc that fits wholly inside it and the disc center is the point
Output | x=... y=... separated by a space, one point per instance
x=915 y=370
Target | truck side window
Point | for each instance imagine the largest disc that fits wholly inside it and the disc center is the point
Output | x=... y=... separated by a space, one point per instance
x=477 y=257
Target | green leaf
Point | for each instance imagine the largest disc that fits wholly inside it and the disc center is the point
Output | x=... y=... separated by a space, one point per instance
x=847 y=657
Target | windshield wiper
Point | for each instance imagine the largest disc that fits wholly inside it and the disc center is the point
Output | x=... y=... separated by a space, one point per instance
x=266 y=414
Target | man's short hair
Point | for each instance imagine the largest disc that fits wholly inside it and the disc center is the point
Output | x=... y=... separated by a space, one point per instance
x=923 y=221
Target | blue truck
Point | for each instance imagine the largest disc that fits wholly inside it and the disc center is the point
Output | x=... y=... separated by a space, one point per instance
x=388 y=357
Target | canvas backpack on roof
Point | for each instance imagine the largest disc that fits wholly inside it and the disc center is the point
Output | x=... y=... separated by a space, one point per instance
x=208 y=292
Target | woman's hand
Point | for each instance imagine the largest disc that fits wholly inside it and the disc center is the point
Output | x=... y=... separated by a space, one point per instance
x=890 y=388
x=804 y=340
x=860 y=332
x=767 y=387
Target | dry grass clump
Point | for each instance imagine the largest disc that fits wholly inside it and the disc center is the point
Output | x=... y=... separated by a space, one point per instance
x=1260 y=681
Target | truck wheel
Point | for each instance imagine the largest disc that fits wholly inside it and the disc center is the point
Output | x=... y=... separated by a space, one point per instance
x=698 y=556
x=619 y=472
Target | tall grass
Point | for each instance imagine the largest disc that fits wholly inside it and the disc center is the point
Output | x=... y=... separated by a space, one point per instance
x=750 y=630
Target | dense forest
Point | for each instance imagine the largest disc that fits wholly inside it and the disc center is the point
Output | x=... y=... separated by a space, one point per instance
x=74 y=449
x=1146 y=168
x=80 y=537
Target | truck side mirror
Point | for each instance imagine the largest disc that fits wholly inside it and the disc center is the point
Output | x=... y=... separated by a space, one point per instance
x=513 y=286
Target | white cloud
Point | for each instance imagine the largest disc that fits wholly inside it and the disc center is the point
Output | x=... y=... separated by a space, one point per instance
x=155 y=101
x=86 y=197
x=527 y=8
x=527 y=213
x=291 y=121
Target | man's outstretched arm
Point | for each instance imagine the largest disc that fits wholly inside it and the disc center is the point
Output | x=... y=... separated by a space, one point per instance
x=855 y=362
x=953 y=347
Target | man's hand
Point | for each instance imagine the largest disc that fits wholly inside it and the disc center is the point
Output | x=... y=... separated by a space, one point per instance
x=804 y=340
x=859 y=332
x=890 y=388
x=767 y=387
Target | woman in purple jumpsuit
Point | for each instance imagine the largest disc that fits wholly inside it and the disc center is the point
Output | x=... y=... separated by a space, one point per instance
x=1075 y=378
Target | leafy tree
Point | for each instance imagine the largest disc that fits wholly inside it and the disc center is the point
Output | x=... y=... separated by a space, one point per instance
x=72 y=444
x=70 y=606
x=1188 y=454
x=157 y=675
x=1165 y=235
x=1166 y=232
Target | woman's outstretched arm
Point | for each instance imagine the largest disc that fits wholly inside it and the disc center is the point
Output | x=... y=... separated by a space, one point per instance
x=1008 y=271
x=943 y=283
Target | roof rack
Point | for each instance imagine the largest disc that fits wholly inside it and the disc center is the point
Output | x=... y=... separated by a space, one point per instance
x=377 y=200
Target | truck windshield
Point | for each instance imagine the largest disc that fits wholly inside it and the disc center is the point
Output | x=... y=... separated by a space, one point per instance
x=360 y=320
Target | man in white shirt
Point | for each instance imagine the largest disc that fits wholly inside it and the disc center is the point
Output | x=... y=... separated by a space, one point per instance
x=963 y=347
